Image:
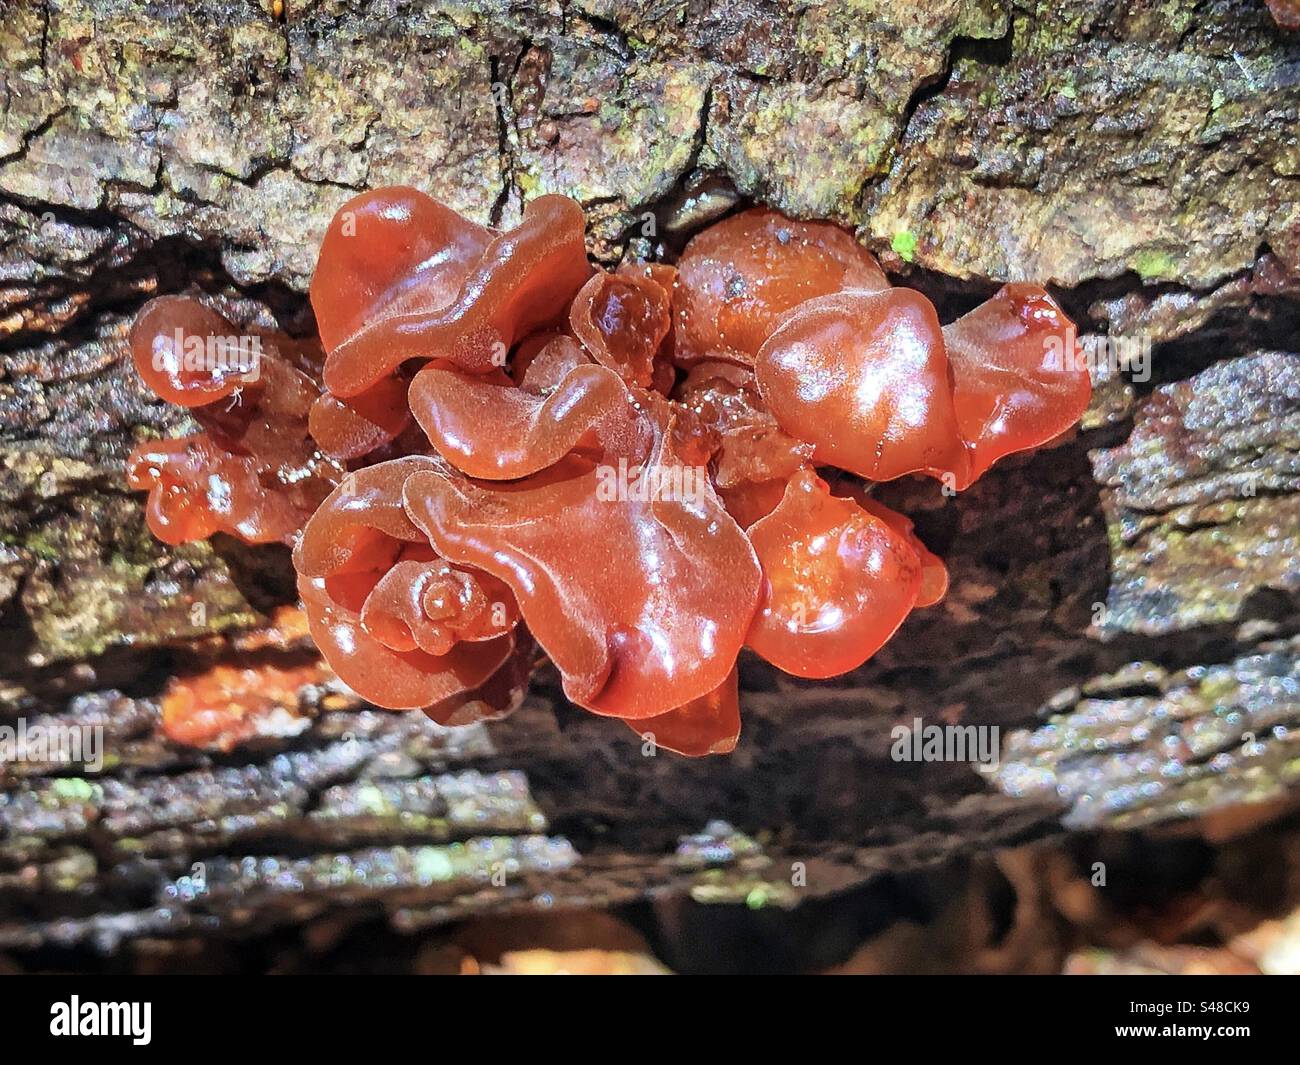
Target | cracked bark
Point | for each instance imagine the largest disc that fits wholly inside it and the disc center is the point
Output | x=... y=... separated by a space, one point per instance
x=1123 y=606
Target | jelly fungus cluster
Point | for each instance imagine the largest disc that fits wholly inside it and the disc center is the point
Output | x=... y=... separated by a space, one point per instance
x=497 y=451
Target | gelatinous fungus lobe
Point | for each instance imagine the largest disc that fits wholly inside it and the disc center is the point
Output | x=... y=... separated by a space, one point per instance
x=488 y=426
x=497 y=454
x=1019 y=379
x=881 y=390
x=838 y=581
x=750 y=445
x=622 y=320
x=356 y=426
x=640 y=592
x=402 y=277
x=709 y=724
x=739 y=278
x=254 y=471
x=400 y=625
x=864 y=377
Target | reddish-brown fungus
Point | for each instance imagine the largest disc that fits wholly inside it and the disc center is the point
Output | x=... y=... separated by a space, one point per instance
x=838 y=581
x=1019 y=379
x=622 y=319
x=707 y=725
x=751 y=446
x=740 y=277
x=487 y=426
x=400 y=626
x=864 y=377
x=468 y=302
x=255 y=471
x=635 y=581
x=500 y=457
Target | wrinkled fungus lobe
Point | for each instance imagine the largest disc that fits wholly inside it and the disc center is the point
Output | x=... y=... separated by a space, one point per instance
x=498 y=455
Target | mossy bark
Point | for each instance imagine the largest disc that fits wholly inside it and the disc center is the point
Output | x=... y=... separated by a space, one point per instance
x=1123 y=605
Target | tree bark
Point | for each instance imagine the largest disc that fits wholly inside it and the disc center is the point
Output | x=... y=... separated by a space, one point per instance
x=1123 y=605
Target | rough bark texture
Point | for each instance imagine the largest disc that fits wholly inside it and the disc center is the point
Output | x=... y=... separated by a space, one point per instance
x=1123 y=606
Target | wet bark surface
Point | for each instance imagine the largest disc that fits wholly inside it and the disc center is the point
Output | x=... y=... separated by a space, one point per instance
x=1123 y=605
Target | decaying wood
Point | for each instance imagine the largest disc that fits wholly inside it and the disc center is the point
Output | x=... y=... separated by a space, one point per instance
x=1123 y=605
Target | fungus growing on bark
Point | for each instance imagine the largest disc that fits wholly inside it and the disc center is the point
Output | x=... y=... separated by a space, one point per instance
x=498 y=452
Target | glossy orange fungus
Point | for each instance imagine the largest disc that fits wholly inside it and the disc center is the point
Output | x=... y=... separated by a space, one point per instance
x=497 y=452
